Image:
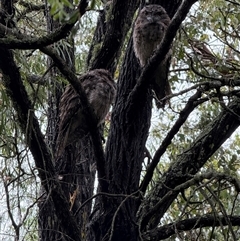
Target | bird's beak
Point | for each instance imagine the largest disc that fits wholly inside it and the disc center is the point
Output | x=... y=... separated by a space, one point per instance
x=150 y=19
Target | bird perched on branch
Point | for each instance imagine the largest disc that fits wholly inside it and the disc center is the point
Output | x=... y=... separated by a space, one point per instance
x=149 y=30
x=100 y=90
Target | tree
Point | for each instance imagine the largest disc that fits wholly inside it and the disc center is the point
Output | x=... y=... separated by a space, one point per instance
x=177 y=189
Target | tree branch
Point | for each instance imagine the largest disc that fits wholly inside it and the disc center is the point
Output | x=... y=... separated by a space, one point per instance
x=192 y=103
x=190 y=106
x=118 y=22
x=189 y=224
x=191 y=160
x=12 y=39
x=29 y=7
x=195 y=180
x=16 y=40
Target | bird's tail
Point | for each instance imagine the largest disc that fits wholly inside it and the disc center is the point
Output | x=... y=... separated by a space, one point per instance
x=161 y=86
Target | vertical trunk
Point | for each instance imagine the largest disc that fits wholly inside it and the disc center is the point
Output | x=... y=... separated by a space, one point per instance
x=77 y=162
x=114 y=215
x=130 y=124
x=124 y=155
x=49 y=226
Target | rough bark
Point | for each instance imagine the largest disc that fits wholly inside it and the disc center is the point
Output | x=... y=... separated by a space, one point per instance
x=126 y=144
x=111 y=33
x=49 y=225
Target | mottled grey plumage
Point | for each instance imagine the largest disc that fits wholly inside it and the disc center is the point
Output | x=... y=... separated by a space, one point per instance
x=149 y=30
x=100 y=90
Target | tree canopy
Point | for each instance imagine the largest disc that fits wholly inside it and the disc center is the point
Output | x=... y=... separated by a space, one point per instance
x=147 y=173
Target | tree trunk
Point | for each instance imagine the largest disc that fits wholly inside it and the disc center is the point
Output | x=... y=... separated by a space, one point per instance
x=49 y=226
x=114 y=215
x=130 y=123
